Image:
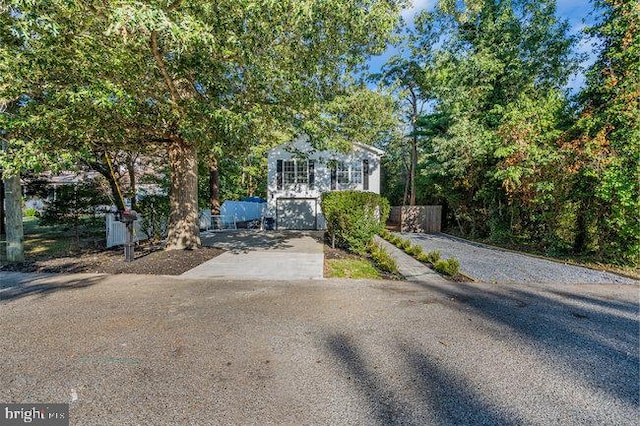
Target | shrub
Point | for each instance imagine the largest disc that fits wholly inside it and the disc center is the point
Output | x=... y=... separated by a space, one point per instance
x=354 y=217
x=414 y=250
x=433 y=256
x=73 y=202
x=154 y=212
x=423 y=257
x=448 y=267
x=394 y=239
x=385 y=234
x=31 y=212
x=404 y=244
x=382 y=259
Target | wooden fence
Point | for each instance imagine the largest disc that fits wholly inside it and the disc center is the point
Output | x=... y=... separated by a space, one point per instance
x=426 y=219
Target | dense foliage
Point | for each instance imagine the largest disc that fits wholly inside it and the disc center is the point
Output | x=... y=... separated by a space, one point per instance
x=354 y=217
x=71 y=204
x=189 y=77
x=507 y=149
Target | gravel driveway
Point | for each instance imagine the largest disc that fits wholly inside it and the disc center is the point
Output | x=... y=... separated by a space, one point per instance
x=153 y=350
x=492 y=265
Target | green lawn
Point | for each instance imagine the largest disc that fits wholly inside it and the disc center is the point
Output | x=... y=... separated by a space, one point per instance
x=354 y=268
x=61 y=240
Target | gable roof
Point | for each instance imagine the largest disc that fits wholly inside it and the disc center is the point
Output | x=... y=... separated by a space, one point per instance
x=369 y=148
x=305 y=139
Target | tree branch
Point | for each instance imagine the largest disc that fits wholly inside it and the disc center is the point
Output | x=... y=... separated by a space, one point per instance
x=155 y=49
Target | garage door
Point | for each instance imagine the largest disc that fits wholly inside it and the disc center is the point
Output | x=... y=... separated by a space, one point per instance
x=296 y=213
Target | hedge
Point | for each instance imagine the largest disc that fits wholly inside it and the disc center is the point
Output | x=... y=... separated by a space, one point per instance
x=354 y=217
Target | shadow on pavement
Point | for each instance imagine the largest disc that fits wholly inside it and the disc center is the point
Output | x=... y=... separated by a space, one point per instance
x=590 y=337
x=249 y=240
x=14 y=286
x=449 y=397
x=381 y=401
x=582 y=336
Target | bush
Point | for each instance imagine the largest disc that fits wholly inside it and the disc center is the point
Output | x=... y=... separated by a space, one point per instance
x=31 y=212
x=73 y=202
x=382 y=259
x=423 y=257
x=385 y=234
x=448 y=267
x=354 y=217
x=404 y=244
x=394 y=239
x=154 y=212
x=433 y=256
x=414 y=250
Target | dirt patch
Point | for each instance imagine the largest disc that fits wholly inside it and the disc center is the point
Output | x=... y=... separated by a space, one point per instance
x=149 y=259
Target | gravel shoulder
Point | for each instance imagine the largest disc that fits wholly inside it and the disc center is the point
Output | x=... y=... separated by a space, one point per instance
x=492 y=265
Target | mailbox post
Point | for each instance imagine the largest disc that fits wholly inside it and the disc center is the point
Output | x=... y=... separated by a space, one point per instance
x=127 y=217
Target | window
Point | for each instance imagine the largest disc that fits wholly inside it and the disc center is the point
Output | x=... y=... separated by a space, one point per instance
x=356 y=173
x=295 y=171
x=342 y=173
x=348 y=174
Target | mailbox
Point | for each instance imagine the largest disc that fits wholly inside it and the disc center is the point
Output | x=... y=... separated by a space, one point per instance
x=126 y=216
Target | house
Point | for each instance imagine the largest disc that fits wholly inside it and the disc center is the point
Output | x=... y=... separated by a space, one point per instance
x=298 y=174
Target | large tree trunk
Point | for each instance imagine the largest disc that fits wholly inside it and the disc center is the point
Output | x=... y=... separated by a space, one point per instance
x=183 y=232
x=214 y=185
x=15 y=232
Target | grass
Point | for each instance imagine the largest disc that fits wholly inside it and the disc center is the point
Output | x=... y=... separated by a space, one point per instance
x=59 y=240
x=355 y=268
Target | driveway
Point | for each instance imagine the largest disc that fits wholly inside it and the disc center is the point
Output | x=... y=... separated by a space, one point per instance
x=155 y=350
x=493 y=265
x=260 y=255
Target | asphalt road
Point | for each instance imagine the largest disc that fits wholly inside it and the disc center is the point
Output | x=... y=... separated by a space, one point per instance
x=159 y=350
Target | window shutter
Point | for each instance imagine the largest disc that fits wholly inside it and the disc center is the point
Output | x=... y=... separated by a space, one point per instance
x=312 y=173
x=365 y=175
x=334 y=177
x=279 y=174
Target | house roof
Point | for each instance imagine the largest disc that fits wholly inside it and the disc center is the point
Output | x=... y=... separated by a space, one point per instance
x=369 y=148
x=304 y=138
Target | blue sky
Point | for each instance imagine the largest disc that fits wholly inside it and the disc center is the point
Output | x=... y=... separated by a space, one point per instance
x=576 y=12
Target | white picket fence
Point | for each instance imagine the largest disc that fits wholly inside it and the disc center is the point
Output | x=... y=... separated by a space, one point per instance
x=117 y=231
x=230 y=213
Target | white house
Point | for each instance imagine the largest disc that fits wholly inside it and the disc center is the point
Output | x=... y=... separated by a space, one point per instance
x=298 y=174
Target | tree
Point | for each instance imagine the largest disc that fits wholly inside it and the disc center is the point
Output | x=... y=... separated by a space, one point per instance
x=492 y=69
x=605 y=146
x=407 y=79
x=170 y=73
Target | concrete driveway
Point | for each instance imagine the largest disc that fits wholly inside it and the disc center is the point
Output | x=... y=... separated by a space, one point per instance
x=260 y=255
x=155 y=350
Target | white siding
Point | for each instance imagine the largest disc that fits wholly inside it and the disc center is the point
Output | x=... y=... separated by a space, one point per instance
x=301 y=148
